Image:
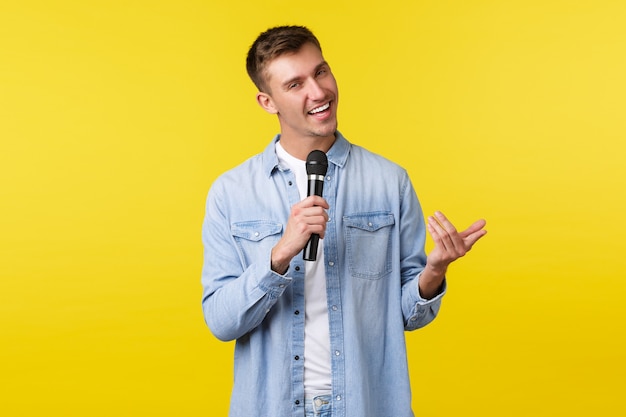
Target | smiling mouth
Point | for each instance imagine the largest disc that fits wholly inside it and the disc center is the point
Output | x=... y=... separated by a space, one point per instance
x=320 y=109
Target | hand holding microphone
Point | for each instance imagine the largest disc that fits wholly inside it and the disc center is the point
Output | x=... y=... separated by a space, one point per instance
x=316 y=167
x=305 y=215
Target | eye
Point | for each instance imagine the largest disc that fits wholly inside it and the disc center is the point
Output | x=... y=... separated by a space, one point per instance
x=321 y=72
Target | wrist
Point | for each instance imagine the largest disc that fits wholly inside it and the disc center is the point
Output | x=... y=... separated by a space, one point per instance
x=436 y=271
x=279 y=264
x=431 y=281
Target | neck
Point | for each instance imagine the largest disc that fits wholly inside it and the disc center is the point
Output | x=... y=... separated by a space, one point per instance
x=301 y=147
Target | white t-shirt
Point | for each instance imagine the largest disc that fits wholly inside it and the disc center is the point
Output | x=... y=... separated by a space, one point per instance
x=317 y=371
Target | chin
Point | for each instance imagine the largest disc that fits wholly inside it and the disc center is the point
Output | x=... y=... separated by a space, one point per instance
x=329 y=130
x=326 y=133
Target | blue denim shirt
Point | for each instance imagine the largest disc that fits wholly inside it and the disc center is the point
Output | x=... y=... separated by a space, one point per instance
x=374 y=254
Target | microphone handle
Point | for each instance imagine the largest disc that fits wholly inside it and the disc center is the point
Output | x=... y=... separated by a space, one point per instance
x=310 y=250
x=315 y=187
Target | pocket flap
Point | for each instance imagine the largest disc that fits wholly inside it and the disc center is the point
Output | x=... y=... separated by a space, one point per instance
x=255 y=230
x=369 y=221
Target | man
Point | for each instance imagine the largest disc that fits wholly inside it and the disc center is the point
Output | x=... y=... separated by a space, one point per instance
x=324 y=337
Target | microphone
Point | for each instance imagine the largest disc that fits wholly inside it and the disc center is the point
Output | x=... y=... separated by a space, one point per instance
x=316 y=166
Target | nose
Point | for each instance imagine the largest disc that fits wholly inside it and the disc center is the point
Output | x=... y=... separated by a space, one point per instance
x=316 y=92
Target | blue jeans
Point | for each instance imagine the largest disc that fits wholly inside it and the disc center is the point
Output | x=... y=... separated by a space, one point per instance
x=318 y=407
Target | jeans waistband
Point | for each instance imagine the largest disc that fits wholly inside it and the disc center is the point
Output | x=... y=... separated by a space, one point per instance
x=319 y=404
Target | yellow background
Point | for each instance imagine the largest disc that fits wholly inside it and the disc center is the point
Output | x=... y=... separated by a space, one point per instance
x=116 y=116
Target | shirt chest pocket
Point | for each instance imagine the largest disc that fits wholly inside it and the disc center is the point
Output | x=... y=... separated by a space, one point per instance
x=368 y=244
x=255 y=239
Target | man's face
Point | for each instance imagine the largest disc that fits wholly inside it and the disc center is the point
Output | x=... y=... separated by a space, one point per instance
x=303 y=93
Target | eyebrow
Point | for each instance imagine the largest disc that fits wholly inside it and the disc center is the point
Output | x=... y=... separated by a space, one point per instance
x=299 y=77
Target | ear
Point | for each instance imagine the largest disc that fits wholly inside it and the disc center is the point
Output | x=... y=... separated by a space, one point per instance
x=266 y=102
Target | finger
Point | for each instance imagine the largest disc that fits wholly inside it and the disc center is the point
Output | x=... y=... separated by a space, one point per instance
x=431 y=229
x=450 y=232
x=314 y=200
x=439 y=234
x=315 y=218
x=444 y=222
x=473 y=238
x=315 y=214
x=476 y=226
x=464 y=240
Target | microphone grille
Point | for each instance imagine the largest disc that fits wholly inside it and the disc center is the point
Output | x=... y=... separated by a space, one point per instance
x=316 y=163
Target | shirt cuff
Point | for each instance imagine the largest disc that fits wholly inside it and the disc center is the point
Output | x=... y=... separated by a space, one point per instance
x=270 y=282
x=425 y=301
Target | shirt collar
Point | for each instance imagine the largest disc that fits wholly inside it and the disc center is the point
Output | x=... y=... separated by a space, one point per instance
x=337 y=154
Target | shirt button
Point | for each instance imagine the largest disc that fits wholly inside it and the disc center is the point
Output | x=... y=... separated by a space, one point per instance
x=297 y=357
x=328 y=178
x=334 y=308
x=331 y=263
x=369 y=224
x=296 y=312
x=337 y=353
x=297 y=268
x=297 y=402
x=290 y=183
x=281 y=286
x=338 y=397
x=256 y=234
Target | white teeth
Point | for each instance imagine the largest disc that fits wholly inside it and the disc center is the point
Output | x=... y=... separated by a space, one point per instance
x=319 y=109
